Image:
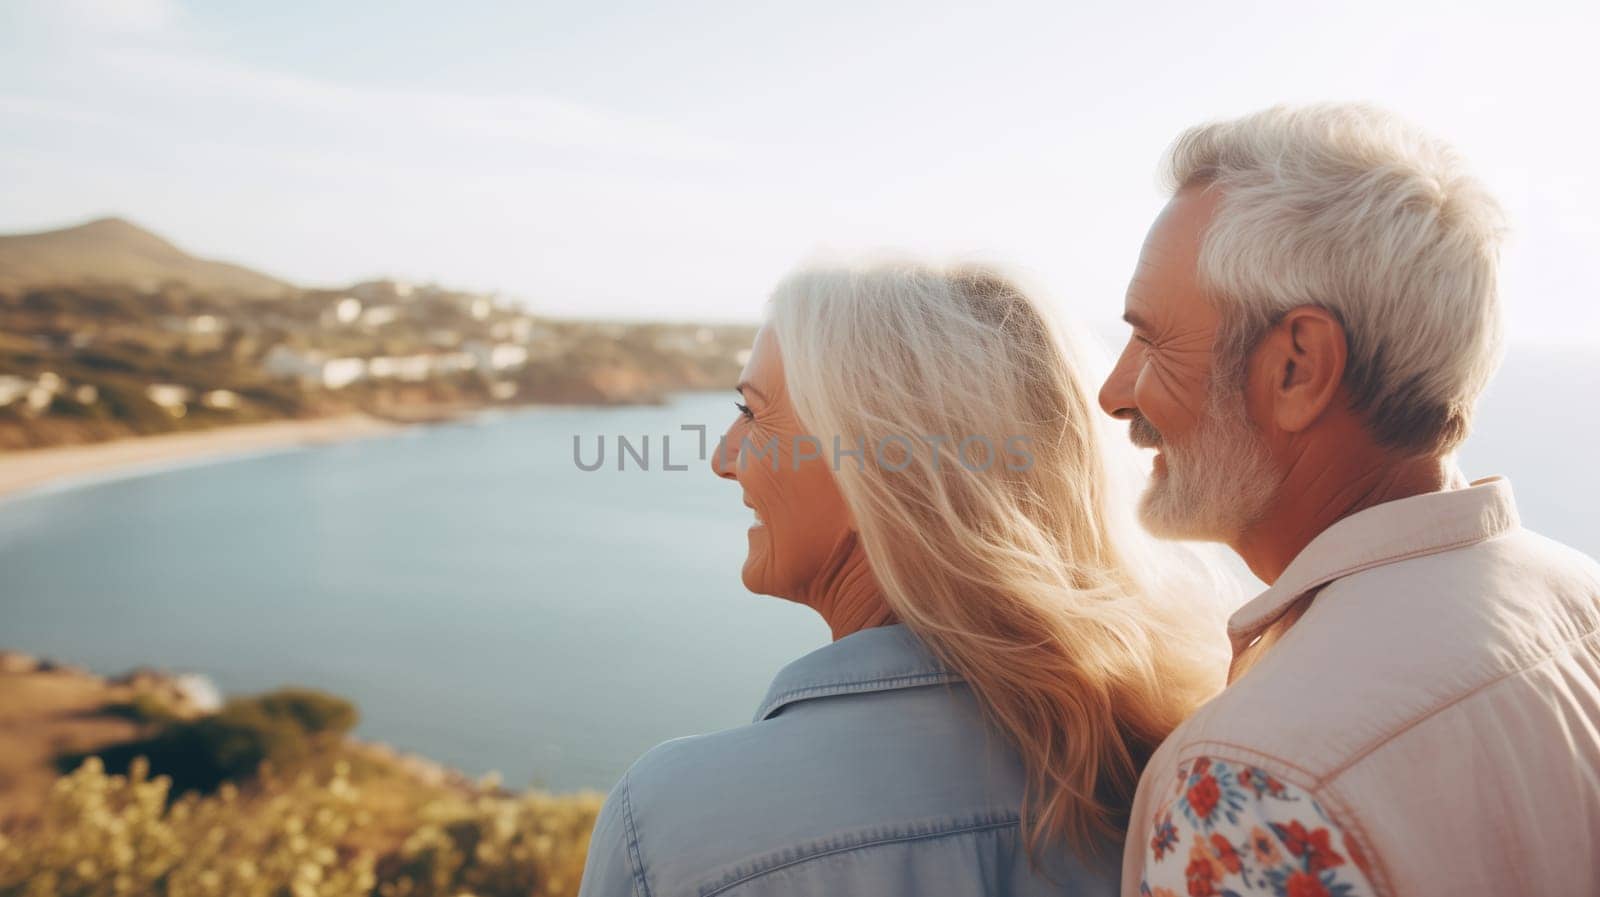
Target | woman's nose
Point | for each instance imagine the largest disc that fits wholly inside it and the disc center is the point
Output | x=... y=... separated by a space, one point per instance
x=724 y=460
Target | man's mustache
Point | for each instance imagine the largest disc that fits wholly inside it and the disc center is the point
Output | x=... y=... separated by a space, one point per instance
x=1143 y=433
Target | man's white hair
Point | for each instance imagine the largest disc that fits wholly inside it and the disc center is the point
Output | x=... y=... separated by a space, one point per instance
x=1352 y=209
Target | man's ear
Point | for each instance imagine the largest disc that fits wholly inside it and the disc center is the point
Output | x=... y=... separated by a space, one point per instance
x=1299 y=366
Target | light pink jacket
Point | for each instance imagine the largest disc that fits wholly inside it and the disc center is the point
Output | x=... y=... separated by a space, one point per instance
x=1429 y=671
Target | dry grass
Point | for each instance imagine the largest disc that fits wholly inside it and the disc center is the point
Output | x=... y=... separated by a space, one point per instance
x=44 y=715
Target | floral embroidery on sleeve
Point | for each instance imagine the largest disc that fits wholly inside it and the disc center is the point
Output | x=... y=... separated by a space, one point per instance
x=1231 y=830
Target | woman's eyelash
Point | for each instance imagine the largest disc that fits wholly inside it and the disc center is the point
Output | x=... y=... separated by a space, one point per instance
x=743 y=409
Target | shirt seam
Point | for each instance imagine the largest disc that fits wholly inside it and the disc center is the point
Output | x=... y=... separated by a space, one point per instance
x=641 y=887
x=813 y=691
x=1422 y=717
x=1376 y=857
x=864 y=845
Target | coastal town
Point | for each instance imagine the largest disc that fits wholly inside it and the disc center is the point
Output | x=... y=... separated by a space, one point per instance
x=97 y=358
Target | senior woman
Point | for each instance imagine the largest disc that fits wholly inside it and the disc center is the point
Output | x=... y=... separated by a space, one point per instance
x=918 y=448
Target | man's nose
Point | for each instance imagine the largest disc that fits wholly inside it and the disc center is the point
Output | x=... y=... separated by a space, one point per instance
x=1116 y=394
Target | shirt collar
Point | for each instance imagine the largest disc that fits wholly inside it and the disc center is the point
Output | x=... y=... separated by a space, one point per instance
x=1382 y=534
x=876 y=659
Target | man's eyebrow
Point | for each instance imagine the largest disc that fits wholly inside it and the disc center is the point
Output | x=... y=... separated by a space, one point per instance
x=1135 y=321
x=745 y=384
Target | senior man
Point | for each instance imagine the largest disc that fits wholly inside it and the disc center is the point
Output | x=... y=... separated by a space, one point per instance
x=1414 y=703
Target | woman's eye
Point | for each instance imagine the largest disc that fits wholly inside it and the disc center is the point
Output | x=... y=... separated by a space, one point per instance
x=744 y=410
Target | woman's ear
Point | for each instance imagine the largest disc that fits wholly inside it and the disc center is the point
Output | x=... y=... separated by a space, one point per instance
x=1299 y=367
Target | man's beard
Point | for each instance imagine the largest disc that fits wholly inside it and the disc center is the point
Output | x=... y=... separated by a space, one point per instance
x=1217 y=484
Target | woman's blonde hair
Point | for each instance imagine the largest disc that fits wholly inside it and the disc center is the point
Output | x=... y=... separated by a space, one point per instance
x=1084 y=643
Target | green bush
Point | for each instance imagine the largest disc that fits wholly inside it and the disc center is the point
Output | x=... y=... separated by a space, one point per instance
x=229 y=745
x=313 y=710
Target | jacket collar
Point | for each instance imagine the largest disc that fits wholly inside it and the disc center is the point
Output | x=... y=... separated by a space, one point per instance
x=877 y=659
x=1382 y=534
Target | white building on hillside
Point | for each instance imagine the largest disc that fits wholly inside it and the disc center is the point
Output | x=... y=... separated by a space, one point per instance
x=313 y=368
x=497 y=357
x=170 y=396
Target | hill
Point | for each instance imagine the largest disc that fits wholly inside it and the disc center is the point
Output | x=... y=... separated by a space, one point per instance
x=113 y=250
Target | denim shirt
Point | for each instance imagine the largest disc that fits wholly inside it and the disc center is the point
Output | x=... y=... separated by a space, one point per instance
x=869 y=770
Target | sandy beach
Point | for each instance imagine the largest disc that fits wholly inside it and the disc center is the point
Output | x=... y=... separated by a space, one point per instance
x=22 y=471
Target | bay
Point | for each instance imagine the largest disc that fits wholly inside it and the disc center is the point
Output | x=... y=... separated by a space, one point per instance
x=483 y=600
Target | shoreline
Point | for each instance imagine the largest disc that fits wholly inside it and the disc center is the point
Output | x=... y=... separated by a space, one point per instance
x=39 y=471
x=35 y=471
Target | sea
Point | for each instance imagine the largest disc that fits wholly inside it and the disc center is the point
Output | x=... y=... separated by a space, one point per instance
x=490 y=604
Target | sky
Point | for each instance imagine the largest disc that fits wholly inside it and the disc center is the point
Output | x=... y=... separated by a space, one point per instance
x=673 y=161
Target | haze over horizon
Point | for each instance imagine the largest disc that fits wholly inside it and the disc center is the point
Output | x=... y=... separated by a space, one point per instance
x=632 y=161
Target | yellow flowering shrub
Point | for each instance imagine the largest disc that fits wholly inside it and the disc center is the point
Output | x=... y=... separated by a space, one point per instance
x=103 y=835
x=110 y=836
x=491 y=845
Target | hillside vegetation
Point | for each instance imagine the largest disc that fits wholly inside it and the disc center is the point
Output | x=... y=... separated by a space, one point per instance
x=112 y=250
x=265 y=796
